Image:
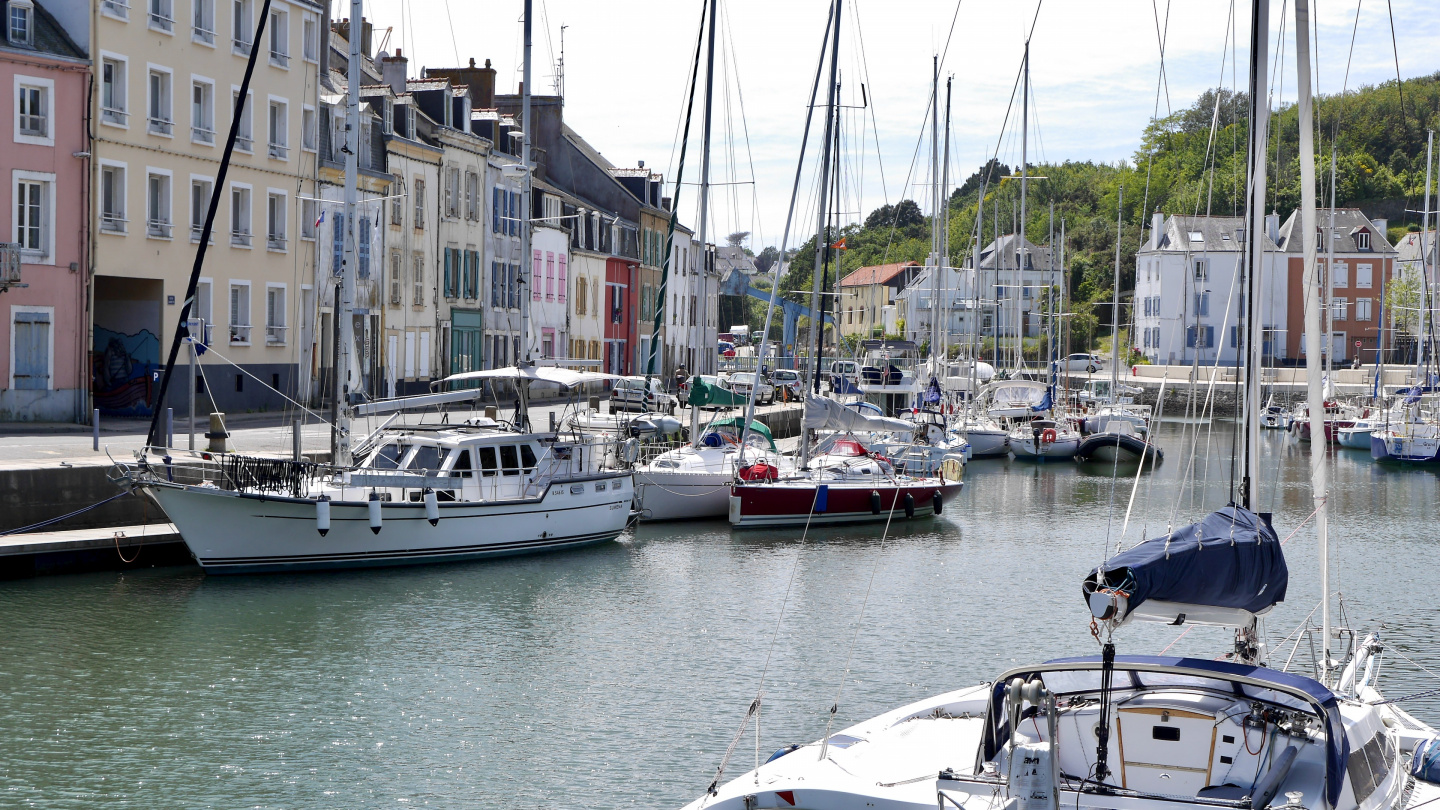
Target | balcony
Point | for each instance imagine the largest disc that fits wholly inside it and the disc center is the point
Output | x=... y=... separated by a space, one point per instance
x=276 y=242
x=274 y=335
x=112 y=222
x=157 y=229
x=244 y=143
x=115 y=115
x=202 y=135
x=116 y=8
x=280 y=60
x=240 y=238
x=160 y=126
x=202 y=35
x=279 y=151
x=241 y=47
x=239 y=333
x=160 y=22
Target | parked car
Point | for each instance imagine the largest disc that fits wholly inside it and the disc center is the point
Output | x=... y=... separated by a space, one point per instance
x=788 y=385
x=844 y=377
x=727 y=349
x=635 y=394
x=1086 y=363
x=741 y=382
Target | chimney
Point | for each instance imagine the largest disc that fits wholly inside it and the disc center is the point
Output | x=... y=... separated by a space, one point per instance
x=394 y=70
x=665 y=203
x=1272 y=227
x=366 y=36
x=1382 y=227
x=1157 y=226
x=480 y=81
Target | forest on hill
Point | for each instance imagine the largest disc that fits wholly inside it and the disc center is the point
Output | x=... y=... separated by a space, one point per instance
x=1191 y=162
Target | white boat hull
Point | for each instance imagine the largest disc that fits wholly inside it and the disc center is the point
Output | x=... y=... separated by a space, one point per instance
x=988 y=443
x=229 y=532
x=680 y=495
x=1062 y=448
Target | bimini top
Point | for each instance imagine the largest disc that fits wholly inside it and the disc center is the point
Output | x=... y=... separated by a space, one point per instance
x=1243 y=678
x=1230 y=561
x=757 y=428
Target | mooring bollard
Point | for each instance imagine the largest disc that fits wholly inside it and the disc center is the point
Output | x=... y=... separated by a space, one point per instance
x=95 y=429
x=217 y=434
x=552 y=422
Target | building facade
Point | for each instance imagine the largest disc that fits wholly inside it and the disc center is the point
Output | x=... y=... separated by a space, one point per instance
x=1364 y=263
x=866 y=293
x=44 y=357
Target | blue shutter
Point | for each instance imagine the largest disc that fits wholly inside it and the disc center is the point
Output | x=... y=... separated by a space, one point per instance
x=495 y=210
x=362 y=240
x=449 y=274
x=1209 y=337
x=338 y=260
x=494 y=284
x=32 y=351
x=1189 y=337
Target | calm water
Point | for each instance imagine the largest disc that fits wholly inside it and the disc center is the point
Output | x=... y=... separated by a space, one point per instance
x=616 y=676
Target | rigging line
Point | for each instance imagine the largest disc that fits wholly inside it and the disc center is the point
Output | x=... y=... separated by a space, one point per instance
x=687 y=96
x=1159 y=83
x=1413 y=661
x=1399 y=85
x=1124 y=527
x=453 y=44
x=242 y=370
x=859 y=621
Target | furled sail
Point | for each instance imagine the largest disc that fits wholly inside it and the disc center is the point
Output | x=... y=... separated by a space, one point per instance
x=824 y=413
x=1225 y=570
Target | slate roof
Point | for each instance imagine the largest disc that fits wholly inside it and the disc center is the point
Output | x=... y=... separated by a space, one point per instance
x=49 y=36
x=1183 y=234
x=1408 y=249
x=1005 y=249
x=1348 y=222
x=876 y=274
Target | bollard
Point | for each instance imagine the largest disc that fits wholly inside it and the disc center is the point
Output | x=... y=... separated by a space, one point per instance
x=217 y=434
x=595 y=404
x=169 y=428
x=295 y=439
x=491 y=412
x=95 y=429
x=552 y=422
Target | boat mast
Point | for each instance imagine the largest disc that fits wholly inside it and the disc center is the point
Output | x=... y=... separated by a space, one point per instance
x=1021 y=253
x=977 y=302
x=344 y=359
x=1318 y=441
x=527 y=265
x=1259 y=136
x=1115 y=306
x=818 y=329
x=934 y=208
x=1420 y=379
x=705 y=206
x=942 y=330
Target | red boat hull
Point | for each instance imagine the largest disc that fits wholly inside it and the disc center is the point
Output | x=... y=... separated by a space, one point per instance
x=790 y=503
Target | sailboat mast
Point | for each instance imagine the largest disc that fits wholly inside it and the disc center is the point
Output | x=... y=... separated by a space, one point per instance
x=942 y=328
x=934 y=208
x=1259 y=136
x=704 y=203
x=1022 y=251
x=527 y=264
x=1115 y=305
x=344 y=360
x=1424 y=266
x=818 y=328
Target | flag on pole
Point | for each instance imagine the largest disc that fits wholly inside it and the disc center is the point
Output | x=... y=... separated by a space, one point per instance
x=839 y=245
x=320 y=219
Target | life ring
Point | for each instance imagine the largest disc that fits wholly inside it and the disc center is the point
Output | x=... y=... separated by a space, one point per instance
x=1048 y=436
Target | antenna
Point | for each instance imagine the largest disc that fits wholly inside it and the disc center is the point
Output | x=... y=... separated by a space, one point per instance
x=560 y=65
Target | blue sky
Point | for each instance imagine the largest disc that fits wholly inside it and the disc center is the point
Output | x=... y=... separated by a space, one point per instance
x=1094 y=69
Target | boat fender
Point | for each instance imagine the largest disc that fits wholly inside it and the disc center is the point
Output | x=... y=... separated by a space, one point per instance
x=874 y=502
x=909 y=505
x=375 y=512
x=322 y=515
x=630 y=451
x=1048 y=435
x=1425 y=765
x=937 y=502
x=432 y=507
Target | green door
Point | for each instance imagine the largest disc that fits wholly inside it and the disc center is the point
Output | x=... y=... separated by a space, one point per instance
x=465 y=342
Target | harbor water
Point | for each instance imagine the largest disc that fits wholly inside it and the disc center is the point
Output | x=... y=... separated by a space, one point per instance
x=618 y=675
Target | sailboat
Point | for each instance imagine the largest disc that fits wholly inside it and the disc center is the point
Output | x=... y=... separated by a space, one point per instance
x=1146 y=732
x=404 y=494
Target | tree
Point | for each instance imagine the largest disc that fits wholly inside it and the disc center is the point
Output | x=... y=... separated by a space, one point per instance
x=1402 y=301
x=737 y=238
x=989 y=174
x=767 y=259
x=902 y=216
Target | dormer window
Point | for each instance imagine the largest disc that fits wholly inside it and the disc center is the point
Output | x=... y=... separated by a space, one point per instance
x=389 y=117
x=1362 y=240
x=21 y=23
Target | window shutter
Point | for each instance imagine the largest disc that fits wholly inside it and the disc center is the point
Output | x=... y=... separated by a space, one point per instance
x=362 y=239
x=535 y=276
x=1189 y=337
x=563 y=281
x=1209 y=337
x=338 y=227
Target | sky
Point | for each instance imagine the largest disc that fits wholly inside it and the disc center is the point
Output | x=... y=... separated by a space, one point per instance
x=1094 y=72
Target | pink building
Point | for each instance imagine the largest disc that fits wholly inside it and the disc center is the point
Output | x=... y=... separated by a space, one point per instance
x=44 y=159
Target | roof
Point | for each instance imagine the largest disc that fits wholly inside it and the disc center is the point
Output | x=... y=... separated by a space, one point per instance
x=419 y=85
x=1005 y=249
x=1348 y=223
x=1201 y=234
x=876 y=274
x=1408 y=249
x=49 y=36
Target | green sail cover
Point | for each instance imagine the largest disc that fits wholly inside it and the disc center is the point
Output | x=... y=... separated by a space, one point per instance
x=734 y=423
x=703 y=394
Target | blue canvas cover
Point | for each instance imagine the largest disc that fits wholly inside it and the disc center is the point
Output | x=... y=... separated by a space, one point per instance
x=1230 y=559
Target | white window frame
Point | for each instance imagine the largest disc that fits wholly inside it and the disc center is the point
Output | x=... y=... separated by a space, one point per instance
x=47 y=95
x=245 y=137
x=278 y=150
x=205 y=11
x=282 y=244
x=1362 y=240
x=164 y=127
x=46 y=255
x=275 y=333
x=1364 y=309
x=197 y=217
x=199 y=129
x=156 y=227
x=115 y=10
x=160 y=15
x=237 y=337
x=16 y=309
x=240 y=42
x=309 y=212
x=204 y=299
x=1369 y=272
x=1339 y=275
x=1339 y=308
x=120 y=219
x=28 y=9
x=279 y=19
x=309 y=128
x=115 y=116
x=310 y=42
x=238 y=237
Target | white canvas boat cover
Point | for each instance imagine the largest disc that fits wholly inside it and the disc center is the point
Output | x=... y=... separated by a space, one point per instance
x=824 y=413
x=566 y=377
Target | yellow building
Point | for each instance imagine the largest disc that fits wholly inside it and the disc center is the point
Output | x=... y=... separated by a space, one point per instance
x=167 y=76
x=865 y=293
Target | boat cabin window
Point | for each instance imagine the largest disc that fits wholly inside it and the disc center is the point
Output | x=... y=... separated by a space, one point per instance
x=424 y=457
x=1368 y=767
x=488 y=466
x=460 y=462
x=527 y=457
x=388 y=457
x=509 y=459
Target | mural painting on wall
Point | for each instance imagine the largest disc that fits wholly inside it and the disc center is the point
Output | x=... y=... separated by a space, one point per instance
x=124 y=356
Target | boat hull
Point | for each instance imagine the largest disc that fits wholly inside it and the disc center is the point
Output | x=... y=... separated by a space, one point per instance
x=788 y=503
x=677 y=495
x=988 y=443
x=1403 y=449
x=1356 y=438
x=240 y=533
x=1060 y=449
x=1118 y=448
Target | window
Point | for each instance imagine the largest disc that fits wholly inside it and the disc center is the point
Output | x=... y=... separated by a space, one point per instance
x=496 y=209
x=118 y=9
x=1339 y=275
x=32 y=122
x=1202 y=304
x=21 y=22
x=549 y=276
x=1362 y=309
x=309 y=219
x=396 y=279
x=452 y=192
x=617 y=303
x=417 y=281
x=1202 y=269
x=241 y=27
x=581 y=289
x=33 y=345
x=309 y=129
x=157 y=205
x=535 y=283
x=472 y=274
x=162 y=15
x=160 y=121
x=310 y=38
x=472 y=196
x=275 y=231
x=362 y=246
x=397 y=203
x=112 y=198
x=239 y=312
x=419 y=204
x=33 y=213
x=513 y=226
x=1364 y=275
x=279 y=130
x=202 y=111
x=202 y=21
x=112 y=92
x=243 y=139
x=1338 y=308
x=1362 y=240
x=274 y=314
x=512 y=294
x=200 y=190
x=240 y=216
x=1207 y=337
x=201 y=310
x=280 y=39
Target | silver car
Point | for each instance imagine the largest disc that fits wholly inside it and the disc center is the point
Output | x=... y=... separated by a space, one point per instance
x=741 y=383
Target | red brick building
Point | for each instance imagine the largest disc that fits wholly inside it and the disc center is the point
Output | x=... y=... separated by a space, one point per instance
x=1364 y=262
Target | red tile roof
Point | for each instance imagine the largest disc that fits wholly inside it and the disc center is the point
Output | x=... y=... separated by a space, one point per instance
x=875 y=274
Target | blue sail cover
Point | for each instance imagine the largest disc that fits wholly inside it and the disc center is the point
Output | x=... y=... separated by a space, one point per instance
x=1231 y=559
